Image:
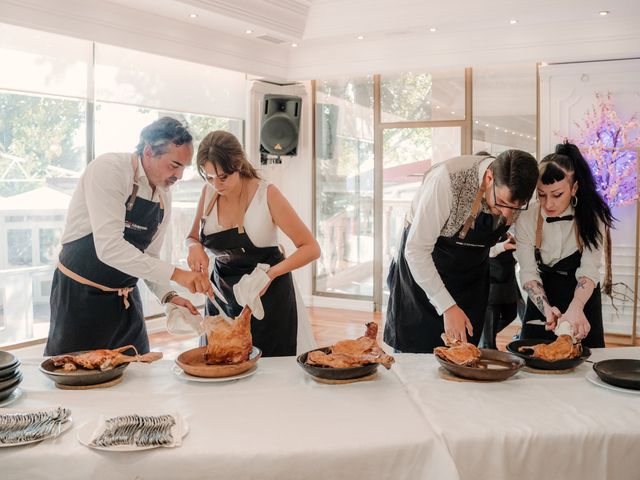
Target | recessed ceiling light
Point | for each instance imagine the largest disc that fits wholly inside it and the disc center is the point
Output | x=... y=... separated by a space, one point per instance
x=248 y=31
x=193 y=15
x=486 y=124
x=433 y=29
x=604 y=13
x=452 y=112
x=477 y=122
x=294 y=45
x=513 y=22
x=360 y=37
x=437 y=107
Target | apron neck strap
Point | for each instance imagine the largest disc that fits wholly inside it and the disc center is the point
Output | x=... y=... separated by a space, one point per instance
x=136 y=180
x=539 y=232
x=207 y=211
x=475 y=208
x=134 y=190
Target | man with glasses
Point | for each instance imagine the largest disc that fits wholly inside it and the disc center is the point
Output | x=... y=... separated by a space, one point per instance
x=439 y=281
x=115 y=227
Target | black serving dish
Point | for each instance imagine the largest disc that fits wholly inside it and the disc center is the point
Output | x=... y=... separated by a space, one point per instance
x=541 y=364
x=620 y=372
x=80 y=377
x=330 y=373
x=493 y=366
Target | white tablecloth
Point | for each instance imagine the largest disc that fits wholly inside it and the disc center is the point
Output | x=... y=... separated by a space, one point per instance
x=277 y=424
x=533 y=426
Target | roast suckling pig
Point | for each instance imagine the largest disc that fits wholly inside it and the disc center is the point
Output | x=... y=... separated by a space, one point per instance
x=458 y=352
x=228 y=342
x=102 y=359
x=562 y=348
x=353 y=353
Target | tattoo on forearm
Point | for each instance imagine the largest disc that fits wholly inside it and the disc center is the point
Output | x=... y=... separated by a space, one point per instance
x=536 y=293
x=582 y=283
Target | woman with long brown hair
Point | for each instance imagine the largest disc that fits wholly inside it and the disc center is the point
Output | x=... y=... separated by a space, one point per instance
x=237 y=220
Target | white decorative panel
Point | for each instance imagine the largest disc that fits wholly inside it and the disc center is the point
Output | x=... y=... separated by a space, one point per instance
x=567 y=94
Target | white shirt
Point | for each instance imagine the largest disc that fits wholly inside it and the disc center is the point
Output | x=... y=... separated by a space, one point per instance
x=558 y=242
x=430 y=210
x=98 y=207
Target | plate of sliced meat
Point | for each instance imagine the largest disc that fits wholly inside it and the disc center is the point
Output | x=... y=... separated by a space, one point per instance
x=465 y=360
x=92 y=367
x=546 y=354
x=348 y=359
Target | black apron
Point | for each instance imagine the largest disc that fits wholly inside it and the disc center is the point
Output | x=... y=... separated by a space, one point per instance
x=412 y=323
x=86 y=318
x=559 y=283
x=504 y=297
x=235 y=256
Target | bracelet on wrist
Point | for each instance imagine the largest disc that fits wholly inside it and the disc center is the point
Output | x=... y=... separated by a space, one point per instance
x=168 y=297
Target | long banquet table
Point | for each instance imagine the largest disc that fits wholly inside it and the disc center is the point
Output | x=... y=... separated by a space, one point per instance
x=277 y=424
x=407 y=423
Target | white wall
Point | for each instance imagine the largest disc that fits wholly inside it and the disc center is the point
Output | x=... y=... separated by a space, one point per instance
x=294 y=176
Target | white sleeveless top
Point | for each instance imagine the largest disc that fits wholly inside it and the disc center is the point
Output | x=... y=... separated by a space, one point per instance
x=258 y=222
x=263 y=232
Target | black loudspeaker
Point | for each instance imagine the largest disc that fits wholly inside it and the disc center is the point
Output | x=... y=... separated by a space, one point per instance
x=326 y=129
x=280 y=125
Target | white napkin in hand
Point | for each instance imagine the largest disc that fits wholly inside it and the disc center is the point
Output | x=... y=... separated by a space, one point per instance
x=180 y=321
x=247 y=290
x=564 y=328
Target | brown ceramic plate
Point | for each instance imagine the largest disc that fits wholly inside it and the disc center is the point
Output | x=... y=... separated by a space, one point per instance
x=192 y=362
x=493 y=366
x=80 y=377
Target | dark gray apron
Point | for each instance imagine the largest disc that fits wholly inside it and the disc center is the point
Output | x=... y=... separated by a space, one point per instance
x=86 y=318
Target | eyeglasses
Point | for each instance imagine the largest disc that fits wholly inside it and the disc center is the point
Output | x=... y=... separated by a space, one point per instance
x=501 y=205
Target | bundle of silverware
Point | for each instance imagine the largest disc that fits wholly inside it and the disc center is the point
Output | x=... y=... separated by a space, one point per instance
x=142 y=431
x=25 y=427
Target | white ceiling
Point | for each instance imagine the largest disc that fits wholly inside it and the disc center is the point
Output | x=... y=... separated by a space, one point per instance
x=396 y=33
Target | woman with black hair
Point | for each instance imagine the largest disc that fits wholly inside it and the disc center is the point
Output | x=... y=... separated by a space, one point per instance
x=560 y=243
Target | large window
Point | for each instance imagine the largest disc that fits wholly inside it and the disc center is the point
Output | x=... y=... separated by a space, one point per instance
x=344 y=186
x=47 y=103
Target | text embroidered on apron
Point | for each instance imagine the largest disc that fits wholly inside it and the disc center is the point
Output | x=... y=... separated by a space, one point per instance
x=94 y=305
x=235 y=256
x=559 y=283
x=413 y=324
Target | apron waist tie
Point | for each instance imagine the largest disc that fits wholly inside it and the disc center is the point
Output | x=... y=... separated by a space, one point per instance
x=122 y=292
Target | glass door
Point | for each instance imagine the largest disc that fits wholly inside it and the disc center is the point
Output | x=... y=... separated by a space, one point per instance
x=407 y=154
